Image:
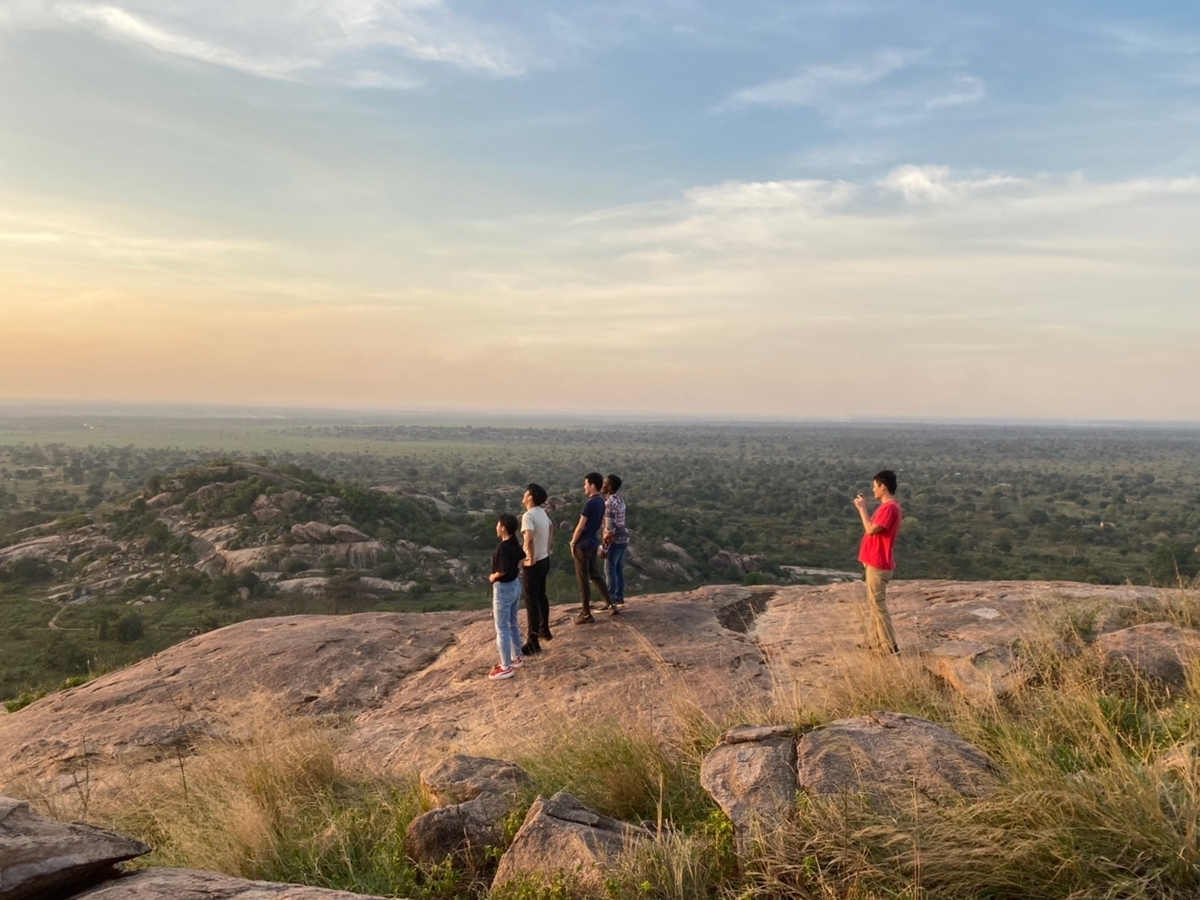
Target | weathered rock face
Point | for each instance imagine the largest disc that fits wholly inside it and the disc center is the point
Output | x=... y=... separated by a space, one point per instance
x=892 y=758
x=44 y=549
x=977 y=670
x=316 y=586
x=275 y=507
x=347 y=534
x=310 y=665
x=313 y=533
x=410 y=689
x=1158 y=653
x=460 y=778
x=663 y=569
x=562 y=836
x=751 y=774
x=186 y=884
x=42 y=858
x=737 y=564
x=475 y=794
x=463 y=833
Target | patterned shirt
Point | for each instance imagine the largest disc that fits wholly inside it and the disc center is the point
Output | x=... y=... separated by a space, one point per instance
x=614 y=518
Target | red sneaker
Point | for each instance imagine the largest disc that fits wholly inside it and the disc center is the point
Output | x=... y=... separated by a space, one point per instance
x=500 y=672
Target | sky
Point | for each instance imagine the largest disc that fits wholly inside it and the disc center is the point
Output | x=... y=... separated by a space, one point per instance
x=803 y=210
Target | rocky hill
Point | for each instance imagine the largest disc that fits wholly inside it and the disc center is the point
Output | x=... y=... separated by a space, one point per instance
x=408 y=689
x=287 y=531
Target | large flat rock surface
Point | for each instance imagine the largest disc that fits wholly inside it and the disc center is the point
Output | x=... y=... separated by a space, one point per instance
x=409 y=689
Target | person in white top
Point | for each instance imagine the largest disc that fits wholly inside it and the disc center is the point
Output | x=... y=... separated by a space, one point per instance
x=537 y=534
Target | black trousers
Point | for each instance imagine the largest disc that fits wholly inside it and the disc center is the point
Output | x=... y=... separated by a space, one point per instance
x=537 y=604
x=587 y=573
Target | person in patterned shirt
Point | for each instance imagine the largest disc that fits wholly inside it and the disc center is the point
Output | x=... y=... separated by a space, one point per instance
x=616 y=538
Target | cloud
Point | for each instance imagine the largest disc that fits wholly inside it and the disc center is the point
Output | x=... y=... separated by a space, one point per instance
x=115 y=22
x=936 y=184
x=969 y=90
x=1137 y=41
x=359 y=43
x=889 y=88
x=815 y=84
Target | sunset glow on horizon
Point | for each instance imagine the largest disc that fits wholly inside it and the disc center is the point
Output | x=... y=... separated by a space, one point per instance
x=762 y=209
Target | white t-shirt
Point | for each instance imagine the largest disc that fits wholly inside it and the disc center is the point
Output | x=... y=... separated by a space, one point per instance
x=538 y=522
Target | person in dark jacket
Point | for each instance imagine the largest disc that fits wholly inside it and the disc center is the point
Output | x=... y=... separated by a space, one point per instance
x=585 y=548
x=506 y=597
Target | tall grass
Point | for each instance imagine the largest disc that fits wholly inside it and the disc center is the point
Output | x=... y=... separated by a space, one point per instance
x=278 y=806
x=1102 y=797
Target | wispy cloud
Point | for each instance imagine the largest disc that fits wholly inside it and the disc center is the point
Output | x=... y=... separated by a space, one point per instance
x=363 y=43
x=888 y=88
x=966 y=89
x=937 y=184
x=1137 y=40
x=815 y=84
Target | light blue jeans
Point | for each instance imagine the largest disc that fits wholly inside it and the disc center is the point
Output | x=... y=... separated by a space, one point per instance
x=616 y=572
x=506 y=598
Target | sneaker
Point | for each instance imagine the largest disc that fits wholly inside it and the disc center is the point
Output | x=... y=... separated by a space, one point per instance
x=584 y=619
x=518 y=662
x=500 y=672
x=528 y=649
x=544 y=633
x=614 y=609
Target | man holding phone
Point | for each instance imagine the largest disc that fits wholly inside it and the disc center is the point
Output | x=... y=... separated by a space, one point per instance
x=875 y=553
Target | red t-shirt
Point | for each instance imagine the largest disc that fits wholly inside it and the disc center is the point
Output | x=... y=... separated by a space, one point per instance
x=876 y=549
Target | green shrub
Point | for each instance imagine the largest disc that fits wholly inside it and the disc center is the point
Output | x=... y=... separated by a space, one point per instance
x=130 y=628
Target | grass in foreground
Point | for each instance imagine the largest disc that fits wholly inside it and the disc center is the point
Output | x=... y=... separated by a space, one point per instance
x=1102 y=801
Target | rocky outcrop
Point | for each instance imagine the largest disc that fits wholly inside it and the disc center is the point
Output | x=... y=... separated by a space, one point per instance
x=460 y=778
x=53 y=548
x=1158 y=653
x=313 y=533
x=42 y=858
x=317 y=586
x=978 y=671
x=475 y=795
x=729 y=562
x=677 y=552
x=187 y=884
x=561 y=837
x=347 y=534
x=310 y=665
x=892 y=758
x=663 y=569
x=275 y=507
x=410 y=689
x=754 y=772
x=751 y=773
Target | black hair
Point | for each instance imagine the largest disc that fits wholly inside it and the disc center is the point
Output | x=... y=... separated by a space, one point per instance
x=614 y=481
x=595 y=479
x=888 y=479
x=538 y=493
x=509 y=523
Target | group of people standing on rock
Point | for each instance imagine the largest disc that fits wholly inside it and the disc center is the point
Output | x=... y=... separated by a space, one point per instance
x=524 y=562
x=601 y=533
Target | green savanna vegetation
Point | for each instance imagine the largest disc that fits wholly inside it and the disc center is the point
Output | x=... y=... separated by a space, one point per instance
x=1101 y=504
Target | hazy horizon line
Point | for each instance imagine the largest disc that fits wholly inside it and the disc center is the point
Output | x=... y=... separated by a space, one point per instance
x=200 y=411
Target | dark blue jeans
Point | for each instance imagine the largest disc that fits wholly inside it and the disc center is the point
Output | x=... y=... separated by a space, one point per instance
x=616 y=572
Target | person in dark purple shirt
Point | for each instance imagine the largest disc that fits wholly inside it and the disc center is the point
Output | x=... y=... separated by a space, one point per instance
x=585 y=548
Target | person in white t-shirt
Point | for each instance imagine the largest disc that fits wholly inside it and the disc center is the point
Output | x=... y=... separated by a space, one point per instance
x=537 y=533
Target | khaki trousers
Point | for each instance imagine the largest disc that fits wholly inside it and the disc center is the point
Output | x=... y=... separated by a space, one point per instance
x=880 y=635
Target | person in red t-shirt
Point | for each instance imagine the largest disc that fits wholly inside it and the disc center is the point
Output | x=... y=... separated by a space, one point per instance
x=875 y=553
